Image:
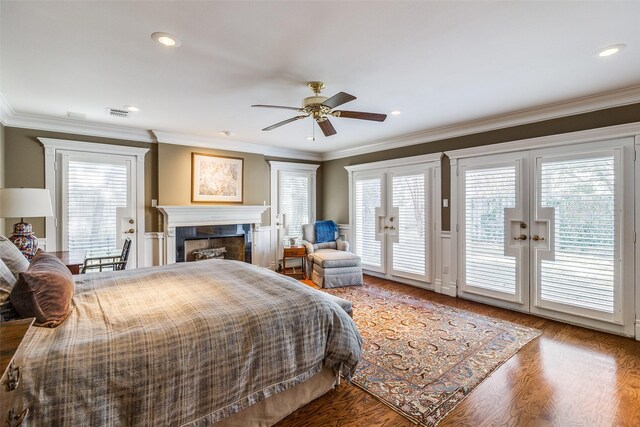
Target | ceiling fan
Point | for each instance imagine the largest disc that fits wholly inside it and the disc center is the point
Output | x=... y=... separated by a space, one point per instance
x=320 y=108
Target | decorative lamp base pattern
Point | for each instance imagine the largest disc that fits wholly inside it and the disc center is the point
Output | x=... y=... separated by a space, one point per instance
x=24 y=239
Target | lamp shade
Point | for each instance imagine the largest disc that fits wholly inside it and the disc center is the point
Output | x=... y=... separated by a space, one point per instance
x=25 y=202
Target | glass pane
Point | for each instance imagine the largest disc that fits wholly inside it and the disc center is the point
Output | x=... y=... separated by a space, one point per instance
x=409 y=197
x=295 y=202
x=368 y=196
x=94 y=191
x=487 y=193
x=582 y=195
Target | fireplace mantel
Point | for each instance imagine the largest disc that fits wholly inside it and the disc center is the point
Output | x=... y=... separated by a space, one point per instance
x=193 y=215
x=179 y=216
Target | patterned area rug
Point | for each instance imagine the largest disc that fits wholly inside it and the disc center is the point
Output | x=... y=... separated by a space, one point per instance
x=422 y=358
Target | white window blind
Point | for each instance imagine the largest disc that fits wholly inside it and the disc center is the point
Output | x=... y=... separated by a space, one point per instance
x=582 y=194
x=409 y=197
x=368 y=198
x=487 y=192
x=93 y=192
x=295 y=199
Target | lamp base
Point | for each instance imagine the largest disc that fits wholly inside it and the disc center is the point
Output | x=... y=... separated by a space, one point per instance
x=24 y=239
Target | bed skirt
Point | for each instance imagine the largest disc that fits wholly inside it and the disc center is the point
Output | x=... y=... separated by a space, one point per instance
x=273 y=409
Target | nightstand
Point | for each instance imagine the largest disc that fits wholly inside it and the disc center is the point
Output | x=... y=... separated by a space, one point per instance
x=292 y=253
x=11 y=337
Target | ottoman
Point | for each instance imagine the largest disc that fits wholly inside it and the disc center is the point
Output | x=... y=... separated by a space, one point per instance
x=333 y=269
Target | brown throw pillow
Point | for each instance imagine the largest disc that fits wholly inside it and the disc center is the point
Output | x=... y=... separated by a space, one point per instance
x=44 y=291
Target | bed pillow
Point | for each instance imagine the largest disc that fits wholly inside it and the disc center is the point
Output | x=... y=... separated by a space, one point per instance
x=44 y=291
x=7 y=280
x=12 y=256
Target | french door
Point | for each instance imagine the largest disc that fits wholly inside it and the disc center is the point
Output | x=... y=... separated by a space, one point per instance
x=550 y=231
x=293 y=203
x=393 y=224
x=97 y=208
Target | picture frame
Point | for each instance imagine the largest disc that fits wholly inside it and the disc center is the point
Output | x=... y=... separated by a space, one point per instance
x=216 y=179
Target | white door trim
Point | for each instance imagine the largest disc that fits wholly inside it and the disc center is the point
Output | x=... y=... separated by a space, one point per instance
x=631 y=176
x=383 y=169
x=635 y=239
x=52 y=147
x=276 y=168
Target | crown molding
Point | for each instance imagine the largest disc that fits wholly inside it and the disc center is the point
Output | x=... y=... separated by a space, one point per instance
x=556 y=110
x=617 y=98
x=232 y=145
x=76 y=127
x=5 y=110
x=578 y=137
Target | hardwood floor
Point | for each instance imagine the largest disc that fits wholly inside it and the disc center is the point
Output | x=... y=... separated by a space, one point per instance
x=569 y=376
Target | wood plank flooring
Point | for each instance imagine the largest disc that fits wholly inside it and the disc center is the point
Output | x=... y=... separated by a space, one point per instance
x=569 y=376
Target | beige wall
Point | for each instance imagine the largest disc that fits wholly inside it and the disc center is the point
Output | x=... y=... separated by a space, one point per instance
x=335 y=183
x=167 y=172
x=168 y=167
x=24 y=167
x=174 y=176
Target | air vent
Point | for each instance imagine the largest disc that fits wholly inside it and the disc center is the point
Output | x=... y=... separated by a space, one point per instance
x=117 y=112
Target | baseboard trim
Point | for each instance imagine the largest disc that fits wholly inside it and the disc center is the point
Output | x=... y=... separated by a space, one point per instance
x=637 y=330
x=437 y=286
x=451 y=289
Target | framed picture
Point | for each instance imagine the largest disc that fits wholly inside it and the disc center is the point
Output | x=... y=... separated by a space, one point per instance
x=216 y=178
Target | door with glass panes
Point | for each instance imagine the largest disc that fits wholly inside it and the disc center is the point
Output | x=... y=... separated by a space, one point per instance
x=547 y=231
x=393 y=225
x=97 y=206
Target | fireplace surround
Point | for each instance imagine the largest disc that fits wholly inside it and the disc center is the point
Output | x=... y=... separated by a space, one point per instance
x=193 y=221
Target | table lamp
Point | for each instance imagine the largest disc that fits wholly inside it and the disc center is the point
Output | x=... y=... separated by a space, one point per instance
x=25 y=203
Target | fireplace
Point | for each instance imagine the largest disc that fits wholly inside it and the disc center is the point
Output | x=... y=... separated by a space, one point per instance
x=208 y=227
x=234 y=238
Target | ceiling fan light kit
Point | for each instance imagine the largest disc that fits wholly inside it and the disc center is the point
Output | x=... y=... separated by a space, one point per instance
x=320 y=108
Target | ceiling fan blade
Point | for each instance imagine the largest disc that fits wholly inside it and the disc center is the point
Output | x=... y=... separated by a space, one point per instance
x=278 y=106
x=292 y=119
x=338 y=99
x=376 y=117
x=327 y=127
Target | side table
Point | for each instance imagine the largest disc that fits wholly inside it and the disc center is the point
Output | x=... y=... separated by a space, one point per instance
x=292 y=253
x=72 y=259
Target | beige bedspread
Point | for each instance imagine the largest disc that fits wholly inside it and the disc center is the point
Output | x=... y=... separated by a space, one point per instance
x=186 y=344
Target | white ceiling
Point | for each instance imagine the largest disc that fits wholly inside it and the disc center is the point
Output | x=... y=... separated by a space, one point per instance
x=440 y=63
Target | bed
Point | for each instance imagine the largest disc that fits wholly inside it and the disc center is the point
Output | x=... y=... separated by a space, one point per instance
x=187 y=344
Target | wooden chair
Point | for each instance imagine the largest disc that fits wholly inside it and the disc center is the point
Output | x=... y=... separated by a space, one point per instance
x=108 y=262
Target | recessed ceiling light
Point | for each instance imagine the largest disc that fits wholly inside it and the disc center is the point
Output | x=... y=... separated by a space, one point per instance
x=396 y=112
x=310 y=138
x=225 y=133
x=610 y=50
x=166 y=39
x=131 y=108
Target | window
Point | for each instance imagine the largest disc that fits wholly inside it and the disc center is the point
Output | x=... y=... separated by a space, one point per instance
x=94 y=192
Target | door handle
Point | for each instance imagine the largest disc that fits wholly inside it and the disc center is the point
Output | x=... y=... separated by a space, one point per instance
x=521 y=237
x=536 y=238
